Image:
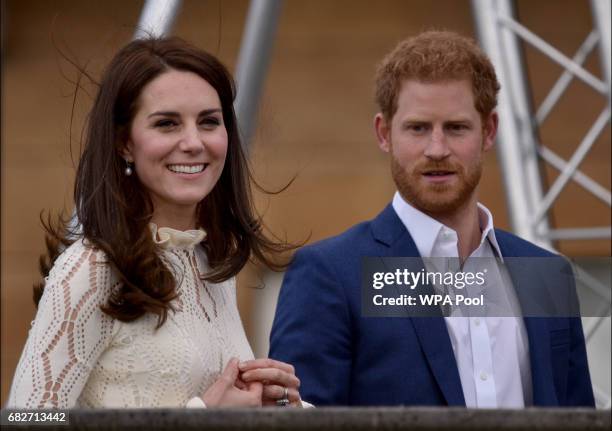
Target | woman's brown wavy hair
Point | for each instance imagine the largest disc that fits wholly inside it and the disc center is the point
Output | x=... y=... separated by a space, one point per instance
x=114 y=210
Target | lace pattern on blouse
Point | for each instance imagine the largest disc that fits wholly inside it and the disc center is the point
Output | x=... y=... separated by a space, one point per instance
x=76 y=355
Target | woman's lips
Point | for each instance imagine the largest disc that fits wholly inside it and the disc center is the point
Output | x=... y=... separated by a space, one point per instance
x=191 y=171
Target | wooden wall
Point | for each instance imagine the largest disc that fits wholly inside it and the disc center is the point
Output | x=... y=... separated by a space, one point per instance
x=315 y=119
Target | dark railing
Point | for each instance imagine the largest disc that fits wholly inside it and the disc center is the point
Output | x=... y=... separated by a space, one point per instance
x=340 y=418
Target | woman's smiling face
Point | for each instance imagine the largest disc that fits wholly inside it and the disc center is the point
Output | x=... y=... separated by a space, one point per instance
x=177 y=142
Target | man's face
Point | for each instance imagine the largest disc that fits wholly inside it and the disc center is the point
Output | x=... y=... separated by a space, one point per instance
x=436 y=139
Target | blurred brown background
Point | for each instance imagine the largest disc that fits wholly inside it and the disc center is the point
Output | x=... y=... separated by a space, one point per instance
x=315 y=116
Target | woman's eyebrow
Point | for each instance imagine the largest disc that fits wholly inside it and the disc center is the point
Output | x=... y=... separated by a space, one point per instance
x=176 y=114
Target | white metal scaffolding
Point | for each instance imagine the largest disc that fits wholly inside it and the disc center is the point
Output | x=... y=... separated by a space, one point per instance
x=519 y=150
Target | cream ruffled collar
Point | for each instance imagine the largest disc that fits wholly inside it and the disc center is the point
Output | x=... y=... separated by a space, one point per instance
x=167 y=238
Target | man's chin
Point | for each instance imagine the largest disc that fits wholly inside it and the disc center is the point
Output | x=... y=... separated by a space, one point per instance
x=440 y=199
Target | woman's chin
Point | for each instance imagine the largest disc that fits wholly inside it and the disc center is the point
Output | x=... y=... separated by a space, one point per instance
x=184 y=203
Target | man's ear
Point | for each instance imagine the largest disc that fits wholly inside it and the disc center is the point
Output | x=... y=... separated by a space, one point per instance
x=383 y=132
x=490 y=131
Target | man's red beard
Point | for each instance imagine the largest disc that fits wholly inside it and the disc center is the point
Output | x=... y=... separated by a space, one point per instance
x=436 y=198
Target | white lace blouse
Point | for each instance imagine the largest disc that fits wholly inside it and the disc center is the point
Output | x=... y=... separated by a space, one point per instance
x=77 y=356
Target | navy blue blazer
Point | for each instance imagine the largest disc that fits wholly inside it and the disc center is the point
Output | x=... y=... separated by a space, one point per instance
x=343 y=358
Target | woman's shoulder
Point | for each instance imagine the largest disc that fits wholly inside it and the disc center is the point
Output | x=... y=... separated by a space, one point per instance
x=81 y=252
x=83 y=267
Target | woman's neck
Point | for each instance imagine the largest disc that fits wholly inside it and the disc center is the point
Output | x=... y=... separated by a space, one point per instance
x=174 y=218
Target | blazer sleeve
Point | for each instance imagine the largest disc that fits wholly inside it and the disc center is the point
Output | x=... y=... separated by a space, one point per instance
x=312 y=329
x=579 y=386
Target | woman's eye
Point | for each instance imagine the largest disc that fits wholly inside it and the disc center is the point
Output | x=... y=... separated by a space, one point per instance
x=165 y=123
x=210 y=122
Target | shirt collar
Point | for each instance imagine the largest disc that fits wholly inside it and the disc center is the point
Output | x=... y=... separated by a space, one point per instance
x=424 y=229
x=485 y=219
x=168 y=238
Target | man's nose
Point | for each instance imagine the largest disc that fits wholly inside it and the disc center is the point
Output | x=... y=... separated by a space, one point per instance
x=437 y=147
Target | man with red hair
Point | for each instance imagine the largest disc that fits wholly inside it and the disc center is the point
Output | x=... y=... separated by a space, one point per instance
x=437 y=96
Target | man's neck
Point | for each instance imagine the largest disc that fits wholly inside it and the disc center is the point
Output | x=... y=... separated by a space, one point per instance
x=465 y=222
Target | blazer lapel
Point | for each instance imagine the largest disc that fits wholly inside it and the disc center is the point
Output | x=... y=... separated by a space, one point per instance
x=434 y=339
x=432 y=333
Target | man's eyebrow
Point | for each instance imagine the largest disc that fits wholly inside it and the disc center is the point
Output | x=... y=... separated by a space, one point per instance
x=415 y=122
x=176 y=114
x=459 y=120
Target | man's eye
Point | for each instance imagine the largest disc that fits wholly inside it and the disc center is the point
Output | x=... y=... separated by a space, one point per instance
x=416 y=128
x=458 y=127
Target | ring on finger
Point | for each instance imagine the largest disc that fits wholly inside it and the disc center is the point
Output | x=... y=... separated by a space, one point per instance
x=284 y=400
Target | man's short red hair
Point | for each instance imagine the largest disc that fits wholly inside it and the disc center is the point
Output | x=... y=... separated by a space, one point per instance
x=436 y=56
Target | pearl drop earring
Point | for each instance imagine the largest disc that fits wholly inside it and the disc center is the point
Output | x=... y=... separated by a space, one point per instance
x=128 y=168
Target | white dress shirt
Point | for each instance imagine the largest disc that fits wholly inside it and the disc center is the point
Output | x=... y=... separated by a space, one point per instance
x=492 y=353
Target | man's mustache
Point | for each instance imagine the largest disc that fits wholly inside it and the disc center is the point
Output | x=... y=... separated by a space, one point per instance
x=437 y=167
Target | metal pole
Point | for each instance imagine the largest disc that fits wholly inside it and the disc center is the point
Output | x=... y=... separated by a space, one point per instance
x=604 y=232
x=587 y=143
x=516 y=146
x=157 y=18
x=563 y=82
x=601 y=19
x=253 y=59
x=578 y=176
x=554 y=54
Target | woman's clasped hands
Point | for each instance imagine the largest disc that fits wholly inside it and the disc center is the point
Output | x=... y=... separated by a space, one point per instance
x=254 y=383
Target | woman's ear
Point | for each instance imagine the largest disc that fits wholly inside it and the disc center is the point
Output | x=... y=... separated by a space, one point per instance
x=126 y=151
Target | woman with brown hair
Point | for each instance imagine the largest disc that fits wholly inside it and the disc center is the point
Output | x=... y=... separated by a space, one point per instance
x=139 y=309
